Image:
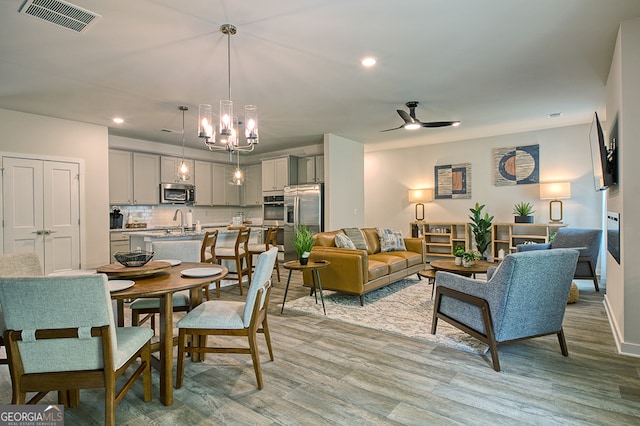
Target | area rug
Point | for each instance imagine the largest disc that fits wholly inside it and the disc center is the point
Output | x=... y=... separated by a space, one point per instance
x=403 y=308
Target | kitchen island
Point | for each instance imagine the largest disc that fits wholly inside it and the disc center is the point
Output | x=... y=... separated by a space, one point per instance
x=226 y=237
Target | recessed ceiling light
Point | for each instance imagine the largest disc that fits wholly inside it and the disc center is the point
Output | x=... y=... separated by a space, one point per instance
x=555 y=115
x=118 y=120
x=369 y=61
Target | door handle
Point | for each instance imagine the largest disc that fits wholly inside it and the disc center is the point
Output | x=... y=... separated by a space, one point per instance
x=39 y=232
x=48 y=232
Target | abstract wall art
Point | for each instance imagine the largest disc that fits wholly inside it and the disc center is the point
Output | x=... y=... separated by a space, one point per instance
x=518 y=165
x=453 y=181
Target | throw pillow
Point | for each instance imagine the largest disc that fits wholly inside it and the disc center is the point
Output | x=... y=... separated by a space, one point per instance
x=356 y=235
x=390 y=240
x=343 y=241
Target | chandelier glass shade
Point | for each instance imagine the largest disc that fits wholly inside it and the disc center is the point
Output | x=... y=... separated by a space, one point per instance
x=224 y=135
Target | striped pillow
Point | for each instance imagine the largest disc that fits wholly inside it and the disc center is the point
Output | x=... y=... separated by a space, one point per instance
x=343 y=241
x=356 y=235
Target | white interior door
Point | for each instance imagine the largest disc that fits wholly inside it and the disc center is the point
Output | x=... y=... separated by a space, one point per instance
x=41 y=211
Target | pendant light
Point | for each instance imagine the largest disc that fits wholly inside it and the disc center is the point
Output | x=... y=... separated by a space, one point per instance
x=238 y=174
x=225 y=135
x=184 y=174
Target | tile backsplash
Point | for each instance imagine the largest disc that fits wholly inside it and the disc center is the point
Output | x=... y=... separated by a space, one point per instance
x=162 y=216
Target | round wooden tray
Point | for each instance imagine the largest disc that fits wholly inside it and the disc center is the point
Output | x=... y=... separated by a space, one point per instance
x=119 y=270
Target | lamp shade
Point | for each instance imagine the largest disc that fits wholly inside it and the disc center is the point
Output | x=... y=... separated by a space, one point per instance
x=555 y=190
x=420 y=195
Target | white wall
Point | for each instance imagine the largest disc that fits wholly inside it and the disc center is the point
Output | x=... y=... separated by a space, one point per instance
x=564 y=155
x=623 y=102
x=344 y=183
x=47 y=137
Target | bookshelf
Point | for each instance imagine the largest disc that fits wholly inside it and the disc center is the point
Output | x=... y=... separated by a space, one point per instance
x=507 y=236
x=441 y=237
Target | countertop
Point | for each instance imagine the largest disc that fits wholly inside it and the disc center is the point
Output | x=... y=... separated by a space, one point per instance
x=156 y=230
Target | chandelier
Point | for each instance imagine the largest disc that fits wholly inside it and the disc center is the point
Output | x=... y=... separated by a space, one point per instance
x=224 y=136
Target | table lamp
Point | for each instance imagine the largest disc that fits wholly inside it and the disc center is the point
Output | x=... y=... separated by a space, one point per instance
x=420 y=196
x=555 y=191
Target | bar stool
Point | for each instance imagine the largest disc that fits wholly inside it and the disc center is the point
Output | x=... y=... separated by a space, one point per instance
x=239 y=253
x=271 y=240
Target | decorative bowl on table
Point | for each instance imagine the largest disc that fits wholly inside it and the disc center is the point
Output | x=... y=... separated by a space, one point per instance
x=133 y=258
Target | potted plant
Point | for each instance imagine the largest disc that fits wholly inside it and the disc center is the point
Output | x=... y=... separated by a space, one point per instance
x=457 y=253
x=302 y=242
x=468 y=257
x=481 y=227
x=523 y=212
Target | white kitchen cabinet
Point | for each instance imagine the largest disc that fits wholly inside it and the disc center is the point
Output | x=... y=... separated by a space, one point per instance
x=134 y=178
x=252 y=185
x=204 y=183
x=278 y=173
x=169 y=169
x=311 y=169
x=225 y=193
x=120 y=177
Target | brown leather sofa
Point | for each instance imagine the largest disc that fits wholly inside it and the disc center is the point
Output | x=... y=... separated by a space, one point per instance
x=361 y=271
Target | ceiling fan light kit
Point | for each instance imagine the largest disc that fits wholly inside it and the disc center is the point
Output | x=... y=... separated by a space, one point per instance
x=225 y=136
x=412 y=123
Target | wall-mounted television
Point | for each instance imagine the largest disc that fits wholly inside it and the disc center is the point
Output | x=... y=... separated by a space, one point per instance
x=603 y=155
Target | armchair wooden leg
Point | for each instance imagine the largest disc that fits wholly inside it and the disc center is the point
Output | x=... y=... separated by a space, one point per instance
x=563 y=343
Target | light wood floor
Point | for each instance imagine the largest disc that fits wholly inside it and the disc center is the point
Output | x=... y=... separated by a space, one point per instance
x=326 y=372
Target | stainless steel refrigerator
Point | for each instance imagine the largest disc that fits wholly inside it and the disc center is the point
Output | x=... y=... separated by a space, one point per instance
x=304 y=205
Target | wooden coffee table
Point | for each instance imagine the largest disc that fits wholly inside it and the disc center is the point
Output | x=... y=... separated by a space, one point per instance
x=449 y=265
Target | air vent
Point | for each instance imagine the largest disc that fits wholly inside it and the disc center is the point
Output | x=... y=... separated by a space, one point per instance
x=60 y=13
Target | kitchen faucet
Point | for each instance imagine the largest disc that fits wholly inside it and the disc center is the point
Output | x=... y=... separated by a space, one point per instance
x=175 y=217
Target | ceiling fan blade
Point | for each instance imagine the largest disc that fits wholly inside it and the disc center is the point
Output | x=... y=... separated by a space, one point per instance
x=439 y=123
x=395 y=128
x=405 y=116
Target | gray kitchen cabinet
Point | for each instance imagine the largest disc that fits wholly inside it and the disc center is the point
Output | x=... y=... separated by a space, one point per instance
x=120 y=177
x=119 y=241
x=252 y=188
x=225 y=193
x=204 y=183
x=146 y=178
x=134 y=178
x=169 y=169
x=311 y=169
x=278 y=173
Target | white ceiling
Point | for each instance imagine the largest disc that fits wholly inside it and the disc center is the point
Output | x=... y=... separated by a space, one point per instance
x=497 y=65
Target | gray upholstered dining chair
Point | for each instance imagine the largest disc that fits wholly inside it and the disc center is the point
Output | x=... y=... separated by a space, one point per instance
x=231 y=318
x=184 y=250
x=61 y=336
x=587 y=241
x=525 y=297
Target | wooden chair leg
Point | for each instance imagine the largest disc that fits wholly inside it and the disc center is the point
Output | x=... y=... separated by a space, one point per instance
x=278 y=269
x=267 y=337
x=239 y=273
x=255 y=357
x=182 y=342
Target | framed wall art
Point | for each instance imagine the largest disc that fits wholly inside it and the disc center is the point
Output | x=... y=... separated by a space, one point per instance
x=453 y=181
x=518 y=165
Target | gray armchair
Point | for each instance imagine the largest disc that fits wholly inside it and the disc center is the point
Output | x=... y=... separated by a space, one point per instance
x=524 y=297
x=587 y=241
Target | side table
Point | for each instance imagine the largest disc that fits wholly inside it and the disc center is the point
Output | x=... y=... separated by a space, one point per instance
x=314 y=267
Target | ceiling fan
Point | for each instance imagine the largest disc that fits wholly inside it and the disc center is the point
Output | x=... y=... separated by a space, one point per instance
x=411 y=122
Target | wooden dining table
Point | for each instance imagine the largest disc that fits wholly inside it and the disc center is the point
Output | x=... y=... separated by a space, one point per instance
x=163 y=285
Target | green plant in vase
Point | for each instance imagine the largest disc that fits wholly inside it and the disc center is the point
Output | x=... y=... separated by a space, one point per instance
x=523 y=212
x=481 y=227
x=303 y=242
x=468 y=257
x=457 y=253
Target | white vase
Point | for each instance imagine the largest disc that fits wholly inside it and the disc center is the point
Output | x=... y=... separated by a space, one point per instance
x=467 y=263
x=458 y=260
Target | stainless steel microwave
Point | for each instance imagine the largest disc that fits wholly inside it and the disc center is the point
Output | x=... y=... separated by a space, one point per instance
x=177 y=193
